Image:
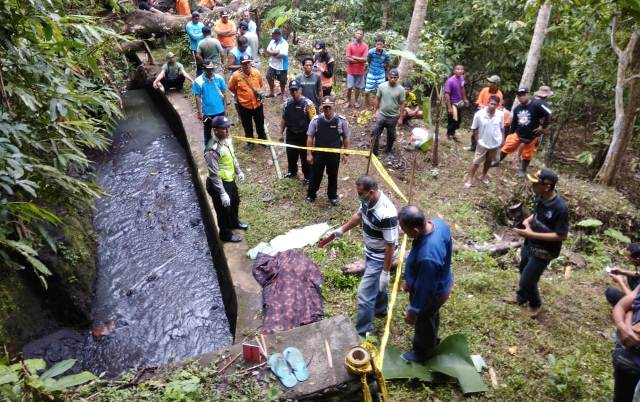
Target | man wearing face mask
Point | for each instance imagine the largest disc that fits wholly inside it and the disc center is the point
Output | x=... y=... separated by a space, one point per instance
x=379 y=219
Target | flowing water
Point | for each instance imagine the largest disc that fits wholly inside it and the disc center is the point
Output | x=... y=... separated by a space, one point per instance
x=157 y=296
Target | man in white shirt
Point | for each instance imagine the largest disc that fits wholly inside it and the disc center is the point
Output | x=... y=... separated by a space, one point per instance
x=278 y=51
x=488 y=129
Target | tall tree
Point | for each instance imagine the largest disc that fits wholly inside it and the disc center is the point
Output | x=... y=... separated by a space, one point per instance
x=385 y=14
x=413 y=37
x=628 y=64
x=535 y=49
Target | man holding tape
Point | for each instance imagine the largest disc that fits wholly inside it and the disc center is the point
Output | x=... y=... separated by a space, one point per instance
x=327 y=130
x=221 y=186
x=379 y=220
x=428 y=278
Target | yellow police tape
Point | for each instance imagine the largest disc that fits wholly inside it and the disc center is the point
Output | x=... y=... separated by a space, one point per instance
x=379 y=357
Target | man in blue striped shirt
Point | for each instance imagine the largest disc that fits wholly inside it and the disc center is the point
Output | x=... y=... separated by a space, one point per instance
x=428 y=278
x=378 y=62
x=379 y=220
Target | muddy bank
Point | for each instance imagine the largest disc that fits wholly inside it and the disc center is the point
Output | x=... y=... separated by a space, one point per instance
x=157 y=295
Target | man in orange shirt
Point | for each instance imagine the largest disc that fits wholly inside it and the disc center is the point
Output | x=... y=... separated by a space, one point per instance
x=245 y=84
x=182 y=7
x=483 y=101
x=226 y=31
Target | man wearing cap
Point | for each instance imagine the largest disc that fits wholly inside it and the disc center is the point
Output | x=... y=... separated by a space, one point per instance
x=310 y=82
x=390 y=98
x=541 y=96
x=194 y=31
x=487 y=132
x=235 y=55
x=543 y=232
x=378 y=60
x=530 y=120
x=252 y=38
x=297 y=113
x=278 y=51
x=171 y=75
x=455 y=97
x=209 y=90
x=357 y=52
x=323 y=63
x=226 y=31
x=327 y=130
x=209 y=51
x=245 y=84
x=221 y=186
x=614 y=295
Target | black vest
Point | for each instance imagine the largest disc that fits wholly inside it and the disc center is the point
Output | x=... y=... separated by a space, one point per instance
x=327 y=135
x=295 y=116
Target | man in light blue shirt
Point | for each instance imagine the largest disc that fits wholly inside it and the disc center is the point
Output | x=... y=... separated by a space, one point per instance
x=251 y=25
x=194 y=31
x=209 y=90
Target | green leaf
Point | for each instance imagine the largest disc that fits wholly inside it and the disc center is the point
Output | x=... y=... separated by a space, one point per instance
x=33 y=365
x=589 y=223
x=7 y=375
x=617 y=235
x=69 y=381
x=58 y=369
x=395 y=368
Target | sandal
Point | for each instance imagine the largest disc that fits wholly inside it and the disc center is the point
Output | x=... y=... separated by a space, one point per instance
x=296 y=362
x=281 y=369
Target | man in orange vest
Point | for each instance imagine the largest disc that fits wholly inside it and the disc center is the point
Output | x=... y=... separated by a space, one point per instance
x=323 y=64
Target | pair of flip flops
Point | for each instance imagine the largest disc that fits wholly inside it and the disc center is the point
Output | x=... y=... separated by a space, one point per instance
x=289 y=366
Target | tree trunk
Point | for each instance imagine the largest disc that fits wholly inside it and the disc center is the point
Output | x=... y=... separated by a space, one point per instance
x=625 y=115
x=413 y=37
x=535 y=49
x=385 y=14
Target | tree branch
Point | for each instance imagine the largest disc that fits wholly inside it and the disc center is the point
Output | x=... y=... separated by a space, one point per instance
x=629 y=79
x=612 y=36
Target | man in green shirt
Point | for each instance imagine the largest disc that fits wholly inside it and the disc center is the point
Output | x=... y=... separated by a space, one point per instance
x=171 y=75
x=209 y=50
x=390 y=100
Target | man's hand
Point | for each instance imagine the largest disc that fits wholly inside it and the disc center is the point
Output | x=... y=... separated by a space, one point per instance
x=628 y=336
x=466 y=103
x=385 y=277
x=404 y=286
x=224 y=198
x=241 y=176
x=449 y=109
x=526 y=232
x=344 y=158
x=619 y=279
x=310 y=159
x=200 y=117
x=400 y=119
x=281 y=138
x=410 y=318
x=337 y=233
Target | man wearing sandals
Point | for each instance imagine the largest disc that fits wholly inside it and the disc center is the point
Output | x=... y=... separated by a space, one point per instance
x=379 y=220
x=488 y=130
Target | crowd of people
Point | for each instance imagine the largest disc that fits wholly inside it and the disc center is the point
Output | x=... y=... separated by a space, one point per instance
x=229 y=62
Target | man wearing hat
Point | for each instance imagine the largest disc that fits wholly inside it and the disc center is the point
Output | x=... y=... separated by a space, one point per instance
x=252 y=39
x=390 y=99
x=323 y=63
x=543 y=232
x=530 y=120
x=278 y=51
x=194 y=31
x=297 y=113
x=209 y=90
x=209 y=51
x=226 y=31
x=221 y=186
x=171 y=75
x=327 y=130
x=245 y=85
x=543 y=92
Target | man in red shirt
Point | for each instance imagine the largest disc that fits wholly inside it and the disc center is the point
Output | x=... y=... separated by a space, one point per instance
x=356 y=59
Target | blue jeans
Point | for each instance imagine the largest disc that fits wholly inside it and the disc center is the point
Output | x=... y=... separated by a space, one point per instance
x=370 y=300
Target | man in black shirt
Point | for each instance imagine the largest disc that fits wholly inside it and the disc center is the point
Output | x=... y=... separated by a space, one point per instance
x=614 y=295
x=296 y=116
x=530 y=120
x=544 y=231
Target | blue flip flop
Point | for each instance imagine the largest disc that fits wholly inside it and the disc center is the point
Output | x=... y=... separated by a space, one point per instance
x=296 y=361
x=281 y=369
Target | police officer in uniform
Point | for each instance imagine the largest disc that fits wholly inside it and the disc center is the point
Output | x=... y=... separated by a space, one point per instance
x=221 y=186
x=297 y=113
x=327 y=130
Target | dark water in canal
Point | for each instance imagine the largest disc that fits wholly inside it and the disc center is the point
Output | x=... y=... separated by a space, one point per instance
x=157 y=296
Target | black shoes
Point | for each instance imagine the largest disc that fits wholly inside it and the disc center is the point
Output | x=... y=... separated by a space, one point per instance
x=309 y=199
x=243 y=226
x=233 y=239
x=290 y=175
x=334 y=202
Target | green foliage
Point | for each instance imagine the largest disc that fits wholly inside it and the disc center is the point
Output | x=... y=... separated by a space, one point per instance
x=589 y=223
x=617 y=235
x=21 y=381
x=57 y=103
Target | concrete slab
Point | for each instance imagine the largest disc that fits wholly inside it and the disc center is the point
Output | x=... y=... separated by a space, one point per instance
x=310 y=340
x=248 y=291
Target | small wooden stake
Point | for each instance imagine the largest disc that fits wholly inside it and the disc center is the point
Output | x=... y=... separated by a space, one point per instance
x=329 y=356
x=230 y=363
